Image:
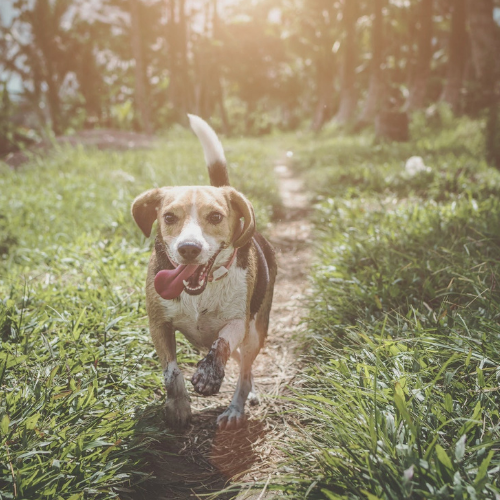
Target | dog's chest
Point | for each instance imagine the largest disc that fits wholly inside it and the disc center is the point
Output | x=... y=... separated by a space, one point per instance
x=201 y=317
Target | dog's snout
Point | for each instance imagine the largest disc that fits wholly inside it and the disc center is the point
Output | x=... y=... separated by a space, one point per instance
x=189 y=251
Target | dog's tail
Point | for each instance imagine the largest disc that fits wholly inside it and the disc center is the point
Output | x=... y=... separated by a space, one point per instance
x=213 y=150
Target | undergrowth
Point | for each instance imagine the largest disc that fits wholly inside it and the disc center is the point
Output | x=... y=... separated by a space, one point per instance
x=80 y=384
x=400 y=397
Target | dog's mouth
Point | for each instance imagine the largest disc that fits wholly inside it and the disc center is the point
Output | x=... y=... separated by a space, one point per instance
x=197 y=282
x=191 y=278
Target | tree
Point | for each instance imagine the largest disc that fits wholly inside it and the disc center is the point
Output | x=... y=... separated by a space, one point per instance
x=141 y=99
x=348 y=92
x=322 y=35
x=422 y=66
x=484 y=43
x=180 y=88
x=375 y=93
x=457 y=47
x=41 y=56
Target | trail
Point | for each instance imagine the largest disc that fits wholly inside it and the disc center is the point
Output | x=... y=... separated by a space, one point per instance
x=204 y=460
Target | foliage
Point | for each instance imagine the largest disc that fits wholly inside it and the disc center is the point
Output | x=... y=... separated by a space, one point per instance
x=80 y=384
x=400 y=396
x=252 y=66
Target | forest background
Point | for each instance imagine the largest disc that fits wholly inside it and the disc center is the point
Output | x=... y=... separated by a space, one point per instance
x=250 y=66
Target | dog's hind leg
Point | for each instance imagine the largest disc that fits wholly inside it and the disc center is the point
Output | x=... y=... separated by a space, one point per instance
x=253 y=397
x=234 y=416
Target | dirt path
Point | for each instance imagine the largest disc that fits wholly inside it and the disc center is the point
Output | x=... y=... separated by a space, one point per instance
x=205 y=460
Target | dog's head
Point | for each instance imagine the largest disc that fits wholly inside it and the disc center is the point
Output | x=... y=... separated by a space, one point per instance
x=200 y=226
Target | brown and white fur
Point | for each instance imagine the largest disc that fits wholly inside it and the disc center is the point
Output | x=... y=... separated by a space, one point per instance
x=229 y=317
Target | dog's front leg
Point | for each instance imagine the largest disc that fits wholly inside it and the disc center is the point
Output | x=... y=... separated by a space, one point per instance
x=210 y=372
x=177 y=405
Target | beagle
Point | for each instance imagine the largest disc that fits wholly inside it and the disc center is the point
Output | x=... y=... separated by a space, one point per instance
x=211 y=277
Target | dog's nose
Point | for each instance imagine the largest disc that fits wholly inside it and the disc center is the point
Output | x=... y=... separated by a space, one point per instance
x=189 y=251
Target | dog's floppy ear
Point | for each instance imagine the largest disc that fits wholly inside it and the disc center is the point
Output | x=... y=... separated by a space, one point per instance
x=145 y=207
x=245 y=209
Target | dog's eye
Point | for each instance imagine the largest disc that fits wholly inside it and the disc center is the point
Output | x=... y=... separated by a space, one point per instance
x=170 y=218
x=215 y=218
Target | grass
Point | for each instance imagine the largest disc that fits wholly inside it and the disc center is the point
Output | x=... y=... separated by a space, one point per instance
x=400 y=396
x=80 y=385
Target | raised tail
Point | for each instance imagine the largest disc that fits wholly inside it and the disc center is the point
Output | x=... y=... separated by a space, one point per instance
x=213 y=151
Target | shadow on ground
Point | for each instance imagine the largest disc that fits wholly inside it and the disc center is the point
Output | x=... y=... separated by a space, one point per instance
x=200 y=462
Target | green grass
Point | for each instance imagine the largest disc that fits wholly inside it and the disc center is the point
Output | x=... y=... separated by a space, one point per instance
x=347 y=166
x=400 y=395
x=80 y=385
x=401 y=391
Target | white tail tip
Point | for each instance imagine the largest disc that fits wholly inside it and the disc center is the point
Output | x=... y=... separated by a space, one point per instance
x=212 y=147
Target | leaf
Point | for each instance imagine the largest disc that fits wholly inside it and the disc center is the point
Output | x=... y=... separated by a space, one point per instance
x=467 y=361
x=480 y=377
x=62 y=394
x=400 y=402
x=4 y=425
x=76 y=332
x=96 y=444
x=331 y=496
x=53 y=373
x=369 y=495
x=113 y=323
x=443 y=457
x=483 y=468
x=460 y=448
x=408 y=474
x=31 y=422
x=457 y=487
x=448 y=403
x=33 y=452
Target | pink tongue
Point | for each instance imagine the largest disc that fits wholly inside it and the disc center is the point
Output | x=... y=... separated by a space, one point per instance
x=169 y=282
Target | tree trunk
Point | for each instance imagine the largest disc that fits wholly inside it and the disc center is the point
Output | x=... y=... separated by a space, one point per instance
x=422 y=68
x=484 y=48
x=376 y=88
x=325 y=94
x=348 y=95
x=218 y=88
x=141 y=99
x=180 y=91
x=183 y=61
x=53 y=99
x=457 y=48
x=392 y=125
x=482 y=32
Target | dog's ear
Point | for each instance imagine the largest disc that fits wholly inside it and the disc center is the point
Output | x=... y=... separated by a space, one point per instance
x=245 y=210
x=145 y=208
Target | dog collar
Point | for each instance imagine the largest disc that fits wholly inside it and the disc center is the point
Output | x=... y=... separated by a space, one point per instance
x=223 y=270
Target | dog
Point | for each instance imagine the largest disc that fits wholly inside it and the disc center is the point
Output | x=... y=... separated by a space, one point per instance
x=210 y=276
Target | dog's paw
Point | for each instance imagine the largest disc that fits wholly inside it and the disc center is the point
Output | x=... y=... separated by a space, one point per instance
x=177 y=413
x=253 y=399
x=208 y=376
x=210 y=372
x=232 y=418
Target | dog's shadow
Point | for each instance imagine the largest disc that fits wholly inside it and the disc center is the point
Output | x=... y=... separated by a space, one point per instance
x=200 y=461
